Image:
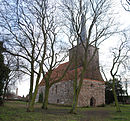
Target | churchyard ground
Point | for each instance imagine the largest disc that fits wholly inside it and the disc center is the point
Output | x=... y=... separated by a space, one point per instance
x=16 y=111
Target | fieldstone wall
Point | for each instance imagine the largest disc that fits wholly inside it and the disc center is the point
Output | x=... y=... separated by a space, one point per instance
x=92 y=90
x=59 y=93
x=62 y=93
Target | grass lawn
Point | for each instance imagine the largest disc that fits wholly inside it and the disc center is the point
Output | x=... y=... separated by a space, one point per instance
x=16 y=111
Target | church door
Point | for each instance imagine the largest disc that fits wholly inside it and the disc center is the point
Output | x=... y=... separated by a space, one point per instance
x=92 y=102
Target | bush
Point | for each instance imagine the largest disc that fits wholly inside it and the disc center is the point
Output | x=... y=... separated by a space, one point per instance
x=40 y=100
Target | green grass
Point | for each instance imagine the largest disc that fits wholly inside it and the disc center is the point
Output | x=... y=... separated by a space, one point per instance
x=16 y=111
x=123 y=116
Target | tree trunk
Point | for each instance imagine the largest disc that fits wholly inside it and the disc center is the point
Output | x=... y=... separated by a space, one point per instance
x=33 y=99
x=115 y=96
x=30 y=91
x=35 y=92
x=31 y=106
x=75 y=101
x=45 y=102
x=5 y=89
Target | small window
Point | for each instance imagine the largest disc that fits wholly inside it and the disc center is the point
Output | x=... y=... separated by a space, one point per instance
x=58 y=100
x=92 y=85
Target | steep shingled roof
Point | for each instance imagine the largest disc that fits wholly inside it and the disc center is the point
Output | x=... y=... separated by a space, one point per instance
x=58 y=72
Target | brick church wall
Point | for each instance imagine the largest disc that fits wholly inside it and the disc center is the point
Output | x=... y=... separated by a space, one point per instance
x=62 y=93
x=92 y=89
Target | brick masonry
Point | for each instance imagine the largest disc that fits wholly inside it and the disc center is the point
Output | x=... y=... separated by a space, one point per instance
x=62 y=93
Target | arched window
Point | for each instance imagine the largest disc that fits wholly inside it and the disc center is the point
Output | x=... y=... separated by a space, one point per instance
x=93 y=102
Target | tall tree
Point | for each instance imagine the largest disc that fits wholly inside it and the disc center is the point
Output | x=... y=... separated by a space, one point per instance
x=29 y=27
x=120 y=55
x=89 y=26
x=4 y=71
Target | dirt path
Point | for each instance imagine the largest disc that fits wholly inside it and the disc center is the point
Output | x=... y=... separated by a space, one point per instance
x=93 y=115
x=85 y=115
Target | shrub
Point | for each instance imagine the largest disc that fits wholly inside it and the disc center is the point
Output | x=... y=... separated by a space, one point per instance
x=40 y=100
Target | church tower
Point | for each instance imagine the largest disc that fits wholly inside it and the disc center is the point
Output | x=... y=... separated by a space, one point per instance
x=93 y=71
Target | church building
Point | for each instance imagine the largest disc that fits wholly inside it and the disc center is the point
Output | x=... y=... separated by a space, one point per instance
x=93 y=88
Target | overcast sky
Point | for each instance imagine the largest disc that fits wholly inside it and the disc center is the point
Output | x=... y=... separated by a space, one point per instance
x=105 y=56
x=123 y=17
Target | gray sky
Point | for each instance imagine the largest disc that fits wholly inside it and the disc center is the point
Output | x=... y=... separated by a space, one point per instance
x=105 y=58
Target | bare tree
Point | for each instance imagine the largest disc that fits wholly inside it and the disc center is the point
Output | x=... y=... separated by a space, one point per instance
x=14 y=75
x=30 y=27
x=89 y=26
x=120 y=55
